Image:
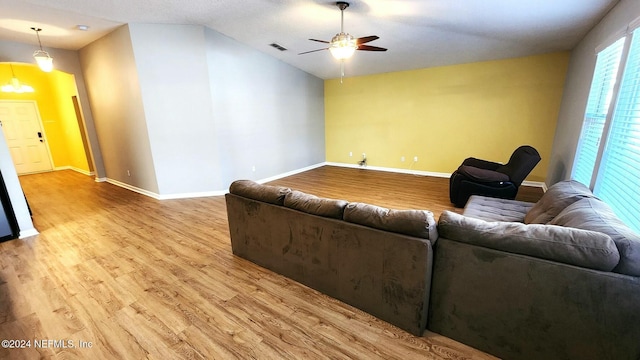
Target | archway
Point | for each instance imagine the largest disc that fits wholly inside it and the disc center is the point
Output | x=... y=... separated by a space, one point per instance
x=55 y=94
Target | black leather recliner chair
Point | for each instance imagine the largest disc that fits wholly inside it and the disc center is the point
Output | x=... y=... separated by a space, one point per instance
x=487 y=178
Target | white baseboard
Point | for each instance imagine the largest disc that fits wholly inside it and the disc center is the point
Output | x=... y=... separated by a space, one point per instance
x=420 y=172
x=133 y=188
x=289 y=173
x=200 y=194
x=388 y=169
x=81 y=171
x=192 y=195
x=222 y=192
x=27 y=233
x=539 y=184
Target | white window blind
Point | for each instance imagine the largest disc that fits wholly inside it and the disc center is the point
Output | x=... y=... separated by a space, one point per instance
x=618 y=179
x=598 y=103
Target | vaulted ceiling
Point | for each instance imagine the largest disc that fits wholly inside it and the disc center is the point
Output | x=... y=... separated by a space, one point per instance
x=418 y=33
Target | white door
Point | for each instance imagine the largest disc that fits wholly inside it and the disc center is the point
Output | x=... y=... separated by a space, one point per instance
x=21 y=125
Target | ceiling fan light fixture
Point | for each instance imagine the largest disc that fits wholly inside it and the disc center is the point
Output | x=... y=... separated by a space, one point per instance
x=44 y=60
x=343 y=46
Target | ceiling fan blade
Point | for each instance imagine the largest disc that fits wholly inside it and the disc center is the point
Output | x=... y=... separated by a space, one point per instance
x=366 y=39
x=322 y=41
x=306 y=52
x=370 y=48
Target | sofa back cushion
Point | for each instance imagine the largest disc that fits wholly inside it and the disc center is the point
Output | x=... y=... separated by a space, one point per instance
x=595 y=215
x=418 y=223
x=314 y=205
x=252 y=190
x=578 y=247
x=556 y=199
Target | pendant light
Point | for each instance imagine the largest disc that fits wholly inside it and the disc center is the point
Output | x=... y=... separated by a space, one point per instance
x=15 y=86
x=44 y=60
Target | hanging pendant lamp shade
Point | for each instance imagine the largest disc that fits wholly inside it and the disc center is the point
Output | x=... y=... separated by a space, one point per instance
x=15 y=86
x=44 y=60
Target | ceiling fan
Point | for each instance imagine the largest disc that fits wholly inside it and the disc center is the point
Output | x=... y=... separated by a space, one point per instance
x=343 y=45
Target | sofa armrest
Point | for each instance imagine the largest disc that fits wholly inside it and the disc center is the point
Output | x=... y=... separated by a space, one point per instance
x=520 y=307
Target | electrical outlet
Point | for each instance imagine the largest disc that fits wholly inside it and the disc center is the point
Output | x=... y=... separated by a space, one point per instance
x=402 y=158
x=415 y=159
x=350 y=153
x=364 y=156
x=128 y=173
x=253 y=168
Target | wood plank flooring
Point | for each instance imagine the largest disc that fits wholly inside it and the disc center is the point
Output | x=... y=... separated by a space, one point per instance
x=137 y=278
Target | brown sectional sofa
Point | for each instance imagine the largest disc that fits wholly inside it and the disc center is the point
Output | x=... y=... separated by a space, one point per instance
x=559 y=279
x=375 y=259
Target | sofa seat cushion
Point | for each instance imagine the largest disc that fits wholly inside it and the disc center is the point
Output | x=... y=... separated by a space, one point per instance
x=495 y=209
x=418 y=223
x=577 y=247
x=312 y=204
x=556 y=199
x=595 y=215
x=482 y=175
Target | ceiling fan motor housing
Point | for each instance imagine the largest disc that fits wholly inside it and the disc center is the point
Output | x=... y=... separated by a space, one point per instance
x=342 y=5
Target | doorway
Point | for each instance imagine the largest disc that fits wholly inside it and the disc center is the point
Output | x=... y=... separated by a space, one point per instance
x=23 y=130
x=61 y=140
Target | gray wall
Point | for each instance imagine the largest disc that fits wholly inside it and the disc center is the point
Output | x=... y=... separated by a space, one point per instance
x=173 y=74
x=576 y=89
x=187 y=110
x=69 y=62
x=268 y=114
x=114 y=92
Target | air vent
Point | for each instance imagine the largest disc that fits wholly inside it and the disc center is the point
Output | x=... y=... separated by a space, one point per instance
x=278 y=46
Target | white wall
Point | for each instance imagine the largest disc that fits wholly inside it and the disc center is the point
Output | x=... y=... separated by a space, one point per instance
x=111 y=75
x=267 y=114
x=16 y=195
x=69 y=62
x=576 y=89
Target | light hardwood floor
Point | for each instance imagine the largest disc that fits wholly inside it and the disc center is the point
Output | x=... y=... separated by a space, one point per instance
x=140 y=278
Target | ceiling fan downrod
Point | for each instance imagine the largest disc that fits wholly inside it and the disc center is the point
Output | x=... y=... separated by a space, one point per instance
x=342 y=5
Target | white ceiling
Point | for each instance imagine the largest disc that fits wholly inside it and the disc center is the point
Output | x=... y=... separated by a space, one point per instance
x=418 y=33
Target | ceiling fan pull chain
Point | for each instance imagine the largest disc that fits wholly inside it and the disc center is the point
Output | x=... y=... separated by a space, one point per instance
x=341 y=70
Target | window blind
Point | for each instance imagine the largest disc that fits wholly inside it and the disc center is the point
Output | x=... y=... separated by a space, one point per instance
x=598 y=103
x=618 y=180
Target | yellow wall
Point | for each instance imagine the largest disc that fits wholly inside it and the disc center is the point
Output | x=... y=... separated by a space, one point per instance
x=53 y=92
x=64 y=88
x=446 y=114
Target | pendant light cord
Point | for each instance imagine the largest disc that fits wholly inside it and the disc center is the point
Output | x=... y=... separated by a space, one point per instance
x=37 y=30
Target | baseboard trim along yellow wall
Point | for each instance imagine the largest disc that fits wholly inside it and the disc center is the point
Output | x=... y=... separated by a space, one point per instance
x=539 y=184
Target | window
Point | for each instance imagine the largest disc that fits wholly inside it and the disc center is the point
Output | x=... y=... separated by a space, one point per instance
x=608 y=154
x=598 y=104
